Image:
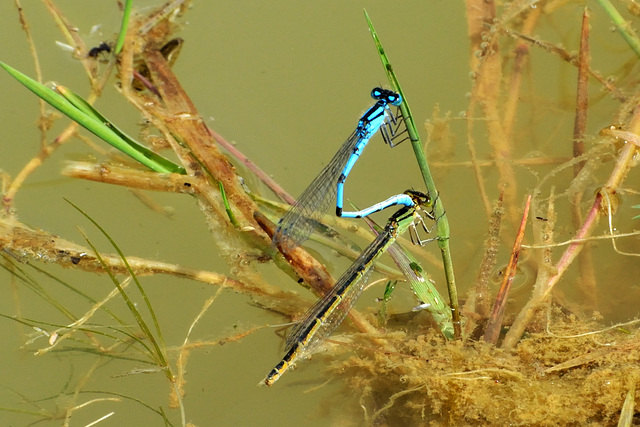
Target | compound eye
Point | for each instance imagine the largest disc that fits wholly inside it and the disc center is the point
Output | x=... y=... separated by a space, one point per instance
x=395 y=99
x=376 y=93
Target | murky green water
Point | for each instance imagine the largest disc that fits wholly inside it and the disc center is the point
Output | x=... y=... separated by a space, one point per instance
x=286 y=81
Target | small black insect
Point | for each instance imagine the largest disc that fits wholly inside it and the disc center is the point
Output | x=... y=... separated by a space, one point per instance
x=95 y=51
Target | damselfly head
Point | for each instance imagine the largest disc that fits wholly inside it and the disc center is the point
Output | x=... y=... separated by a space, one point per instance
x=419 y=198
x=394 y=99
x=388 y=96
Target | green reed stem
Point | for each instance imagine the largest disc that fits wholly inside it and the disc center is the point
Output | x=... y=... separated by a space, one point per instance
x=124 y=26
x=622 y=25
x=442 y=226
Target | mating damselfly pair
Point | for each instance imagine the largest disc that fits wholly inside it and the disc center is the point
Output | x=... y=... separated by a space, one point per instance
x=298 y=223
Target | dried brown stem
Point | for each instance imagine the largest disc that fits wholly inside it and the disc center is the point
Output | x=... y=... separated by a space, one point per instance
x=263 y=176
x=519 y=64
x=494 y=324
x=570 y=58
x=624 y=161
x=24 y=244
x=176 y=117
x=131 y=178
x=36 y=62
x=486 y=65
x=587 y=282
x=582 y=97
x=480 y=299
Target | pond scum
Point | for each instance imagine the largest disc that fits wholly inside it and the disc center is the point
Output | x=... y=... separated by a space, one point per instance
x=574 y=380
x=545 y=360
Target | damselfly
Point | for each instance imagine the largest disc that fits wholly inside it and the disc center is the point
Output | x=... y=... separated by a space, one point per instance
x=298 y=223
x=423 y=288
x=326 y=315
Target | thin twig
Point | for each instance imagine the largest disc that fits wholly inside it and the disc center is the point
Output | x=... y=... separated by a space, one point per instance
x=494 y=324
x=624 y=161
x=266 y=179
x=479 y=301
x=519 y=63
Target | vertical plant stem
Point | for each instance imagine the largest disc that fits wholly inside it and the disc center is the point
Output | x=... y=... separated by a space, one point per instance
x=494 y=324
x=619 y=173
x=582 y=94
x=442 y=225
x=487 y=66
x=587 y=282
x=479 y=302
x=622 y=26
x=42 y=125
x=123 y=26
x=480 y=15
x=519 y=63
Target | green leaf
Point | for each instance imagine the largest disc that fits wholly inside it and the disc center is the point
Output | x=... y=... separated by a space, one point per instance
x=78 y=110
x=88 y=109
x=123 y=26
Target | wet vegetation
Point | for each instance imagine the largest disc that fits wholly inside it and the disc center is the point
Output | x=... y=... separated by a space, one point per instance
x=548 y=332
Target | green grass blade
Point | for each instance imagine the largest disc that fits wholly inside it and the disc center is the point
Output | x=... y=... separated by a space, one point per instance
x=89 y=110
x=158 y=344
x=124 y=26
x=622 y=25
x=34 y=286
x=442 y=226
x=227 y=206
x=404 y=108
x=36 y=325
x=93 y=125
x=157 y=354
x=77 y=291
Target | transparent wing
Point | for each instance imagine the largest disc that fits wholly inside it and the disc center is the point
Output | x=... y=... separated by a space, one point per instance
x=301 y=219
x=327 y=314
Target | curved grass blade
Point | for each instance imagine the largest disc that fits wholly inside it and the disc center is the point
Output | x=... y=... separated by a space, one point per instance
x=88 y=118
x=124 y=26
x=88 y=109
x=158 y=344
x=21 y=275
x=442 y=226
